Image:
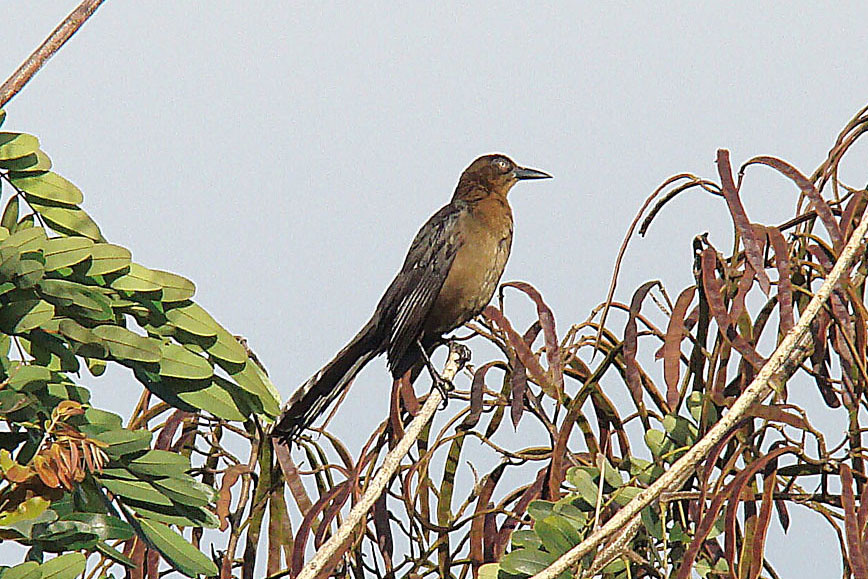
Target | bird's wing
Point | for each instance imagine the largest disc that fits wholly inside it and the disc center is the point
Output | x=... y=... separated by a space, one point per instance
x=415 y=289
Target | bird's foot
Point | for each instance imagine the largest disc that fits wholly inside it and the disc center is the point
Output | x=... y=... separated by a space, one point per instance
x=440 y=383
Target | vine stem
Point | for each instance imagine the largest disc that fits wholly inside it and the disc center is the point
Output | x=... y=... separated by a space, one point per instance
x=458 y=356
x=46 y=50
x=782 y=364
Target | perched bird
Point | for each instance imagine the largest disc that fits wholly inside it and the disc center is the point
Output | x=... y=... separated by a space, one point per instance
x=449 y=275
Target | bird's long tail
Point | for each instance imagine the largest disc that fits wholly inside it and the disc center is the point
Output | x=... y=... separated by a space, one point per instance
x=314 y=396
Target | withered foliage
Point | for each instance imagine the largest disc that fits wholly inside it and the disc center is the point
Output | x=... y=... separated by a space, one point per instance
x=670 y=369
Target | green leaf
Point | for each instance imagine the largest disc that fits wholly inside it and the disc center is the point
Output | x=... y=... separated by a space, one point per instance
x=557 y=535
x=525 y=538
x=178 y=552
x=179 y=515
x=625 y=494
x=127 y=345
x=526 y=562
x=10 y=214
x=26 y=570
x=63 y=252
x=611 y=474
x=251 y=379
x=108 y=258
x=572 y=514
x=66 y=566
x=186 y=491
x=68 y=220
x=114 y=555
x=679 y=429
x=67 y=293
x=179 y=362
x=25 y=273
x=539 y=509
x=26 y=510
x=123 y=442
x=194 y=320
x=37 y=161
x=175 y=287
x=228 y=349
x=138 y=279
x=657 y=442
x=16 y=145
x=30 y=239
x=102 y=419
x=22 y=316
x=6 y=287
x=25 y=527
x=584 y=483
x=215 y=400
x=48 y=187
x=140 y=491
x=160 y=463
x=90 y=343
x=489 y=571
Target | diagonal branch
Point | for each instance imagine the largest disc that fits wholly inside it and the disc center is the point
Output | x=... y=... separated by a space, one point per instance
x=458 y=356
x=781 y=365
x=46 y=50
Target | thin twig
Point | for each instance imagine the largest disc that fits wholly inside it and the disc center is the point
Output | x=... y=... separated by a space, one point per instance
x=46 y=50
x=457 y=359
x=778 y=368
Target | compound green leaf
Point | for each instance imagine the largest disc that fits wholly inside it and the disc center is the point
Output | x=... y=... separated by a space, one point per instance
x=178 y=552
x=179 y=362
x=16 y=145
x=127 y=345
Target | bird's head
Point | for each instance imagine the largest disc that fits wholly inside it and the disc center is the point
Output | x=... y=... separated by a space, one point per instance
x=496 y=174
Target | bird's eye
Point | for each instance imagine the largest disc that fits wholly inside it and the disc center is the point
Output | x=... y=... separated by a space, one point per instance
x=502 y=165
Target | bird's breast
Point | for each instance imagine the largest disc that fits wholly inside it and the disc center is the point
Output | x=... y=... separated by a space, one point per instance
x=486 y=239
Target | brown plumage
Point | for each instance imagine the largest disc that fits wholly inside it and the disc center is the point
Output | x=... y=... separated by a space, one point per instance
x=450 y=273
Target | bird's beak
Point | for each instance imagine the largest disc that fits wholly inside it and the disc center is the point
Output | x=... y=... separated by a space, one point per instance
x=526 y=173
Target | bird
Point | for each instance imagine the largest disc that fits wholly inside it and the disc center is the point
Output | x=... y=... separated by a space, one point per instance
x=451 y=271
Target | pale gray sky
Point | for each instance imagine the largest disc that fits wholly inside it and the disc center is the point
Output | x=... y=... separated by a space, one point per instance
x=282 y=155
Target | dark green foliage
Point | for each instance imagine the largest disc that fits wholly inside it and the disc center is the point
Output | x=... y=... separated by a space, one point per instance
x=73 y=477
